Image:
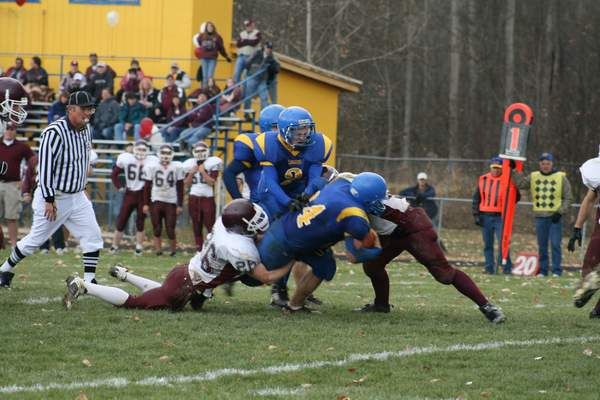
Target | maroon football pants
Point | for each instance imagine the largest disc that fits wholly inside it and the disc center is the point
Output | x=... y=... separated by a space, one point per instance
x=592 y=253
x=132 y=200
x=202 y=212
x=174 y=293
x=159 y=211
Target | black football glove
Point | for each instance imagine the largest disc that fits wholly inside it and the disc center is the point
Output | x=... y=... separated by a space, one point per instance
x=477 y=220
x=575 y=237
x=556 y=217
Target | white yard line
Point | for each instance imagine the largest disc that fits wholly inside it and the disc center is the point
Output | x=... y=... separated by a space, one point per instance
x=285 y=368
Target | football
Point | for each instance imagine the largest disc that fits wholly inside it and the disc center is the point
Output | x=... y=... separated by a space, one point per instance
x=371 y=240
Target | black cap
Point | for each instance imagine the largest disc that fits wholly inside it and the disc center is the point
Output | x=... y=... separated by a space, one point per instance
x=269 y=44
x=81 y=99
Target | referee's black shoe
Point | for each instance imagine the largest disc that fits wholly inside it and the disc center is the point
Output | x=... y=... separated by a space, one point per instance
x=6 y=278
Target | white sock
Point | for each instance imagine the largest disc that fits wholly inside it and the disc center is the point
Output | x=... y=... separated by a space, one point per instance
x=5 y=267
x=88 y=276
x=112 y=295
x=139 y=247
x=144 y=284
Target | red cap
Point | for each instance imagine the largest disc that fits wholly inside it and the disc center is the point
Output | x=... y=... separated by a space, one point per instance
x=146 y=125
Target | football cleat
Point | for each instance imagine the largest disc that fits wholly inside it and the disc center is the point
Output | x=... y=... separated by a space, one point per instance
x=118 y=271
x=197 y=301
x=302 y=310
x=172 y=254
x=44 y=251
x=595 y=313
x=6 y=278
x=377 y=308
x=159 y=253
x=279 y=296
x=138 y=252
x=75 y=288
x=60 y=251
x=493 y=313
x=589 y=286
x=113 y=250
x=311 y=299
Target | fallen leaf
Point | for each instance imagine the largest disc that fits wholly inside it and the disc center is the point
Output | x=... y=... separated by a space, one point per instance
x=352 y=370
x=485 y=394
x=86 y=362
x=164 y=359
x=538 y=358
x=330 y=349
x=136 y=318
x=542 y=391
x=272 y=347
x=434 y=380
x=306 y=385
x=469 y=383
x=342 y=397
x=505 y=290
x=587 y=352
x=82 y=396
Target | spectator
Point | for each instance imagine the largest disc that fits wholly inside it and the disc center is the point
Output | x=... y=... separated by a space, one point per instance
x=68 y=84
x=211 y=88
x=106 y=116
x=165 y=98
x=197 y=130
x=135 y=74
x=421 y=195
x=273 y=68
x=12 y=154
x=248 y=43
x=551 y=198
x=58 y=109
x=130 y=114
x=36 y=81
x=18 y=71
x=231 y=96
x=94 y=67
x=258 y=84
x=208 y=45
x=182 y=80
x=177 y=110
x=148 y=95
x=488 y=202
x=99 y=80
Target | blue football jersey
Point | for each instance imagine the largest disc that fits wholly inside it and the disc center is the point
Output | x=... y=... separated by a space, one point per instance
x=243 y=151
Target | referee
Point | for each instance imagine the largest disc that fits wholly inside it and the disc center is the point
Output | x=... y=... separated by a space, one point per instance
x=59 y=199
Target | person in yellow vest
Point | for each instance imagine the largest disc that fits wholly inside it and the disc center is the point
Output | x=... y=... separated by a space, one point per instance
x=551 y=198
x=488 y=201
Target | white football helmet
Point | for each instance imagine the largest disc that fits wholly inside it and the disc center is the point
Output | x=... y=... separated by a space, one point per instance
x=140 y=150
x=200 y=151
x=165 y=154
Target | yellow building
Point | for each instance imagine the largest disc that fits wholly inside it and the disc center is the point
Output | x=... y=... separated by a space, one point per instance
x=156 y=32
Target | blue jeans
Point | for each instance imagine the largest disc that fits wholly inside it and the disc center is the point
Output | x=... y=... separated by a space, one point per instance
x=171 y=134
x=193 y=135
x=208 y=69
x=492 y=226
x=546 y=230
x=105 y=133
x=272 y=88
x=120 y=133
x=257 y=86
x=239 y=67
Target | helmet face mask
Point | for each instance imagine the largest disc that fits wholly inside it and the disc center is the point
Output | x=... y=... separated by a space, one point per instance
x=296 y=126
x=243 y=217
x=165 y=154
x=200 y=151
x=13 y=99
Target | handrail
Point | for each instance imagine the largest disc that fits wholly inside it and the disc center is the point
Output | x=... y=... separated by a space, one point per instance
x=215 y=99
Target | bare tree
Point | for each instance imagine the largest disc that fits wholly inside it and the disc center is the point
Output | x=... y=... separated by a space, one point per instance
x=454 y=144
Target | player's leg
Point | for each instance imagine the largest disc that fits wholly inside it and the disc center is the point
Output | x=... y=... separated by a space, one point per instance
x=194 y=210
x=139 y=224
x=590 y=273
x=41 y=230
x=555 y=234
x=77 y=287
x=173 y=294
x=542 y=231
x=391 y=246
x=170 y=224
x=487 y=231
x=83 y=226
x=127 y=208
x=155 y=217
x=121 y=273
x=323 y=268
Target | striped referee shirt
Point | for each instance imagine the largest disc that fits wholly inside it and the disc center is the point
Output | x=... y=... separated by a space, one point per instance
x=64 y=158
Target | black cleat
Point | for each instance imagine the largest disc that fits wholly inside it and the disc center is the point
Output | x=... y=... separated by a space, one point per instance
x=279 y=296
x=286 y=309
x=197 y=301
x=311 y=299
x=6 y=278
x=589 y=286
x=493 y=313
x=372 y=307
x=595 y=313
x=172 y=254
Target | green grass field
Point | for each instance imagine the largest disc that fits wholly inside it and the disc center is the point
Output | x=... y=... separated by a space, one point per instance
x=240 y=348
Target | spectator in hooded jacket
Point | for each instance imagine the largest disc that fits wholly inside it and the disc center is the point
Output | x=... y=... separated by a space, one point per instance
x=248 y=43
x=130 y=116
x=135 y=74
x=106 y=116
x=58 y=109
x=94 y=67
x=208 y=45
x=99 y=80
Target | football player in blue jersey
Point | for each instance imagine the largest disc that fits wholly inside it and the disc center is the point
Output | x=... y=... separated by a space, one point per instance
x=244 y=160
x=336 y=212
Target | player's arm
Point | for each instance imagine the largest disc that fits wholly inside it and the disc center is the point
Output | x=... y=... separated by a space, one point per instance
x=315 y=181
x=586 y=205
x=272 y=184
x=180 y=190
x=356 y=226
x=189 y=176
x=268 y=277
x=114 y=176
x=209 y=177
x=230 y=173
x=49 y=150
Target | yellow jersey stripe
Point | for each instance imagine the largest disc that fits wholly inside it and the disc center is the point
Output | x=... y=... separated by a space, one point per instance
x=260 y=141
x=328 y=146
x=352 y=212
x=287 y=146
x=246 y=140
x=266 y=163
x=247 y=164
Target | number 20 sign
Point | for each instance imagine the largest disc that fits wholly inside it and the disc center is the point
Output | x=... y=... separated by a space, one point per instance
x=526 y=264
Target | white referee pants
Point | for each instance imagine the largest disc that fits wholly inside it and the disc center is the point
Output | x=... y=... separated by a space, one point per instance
x=73 y=211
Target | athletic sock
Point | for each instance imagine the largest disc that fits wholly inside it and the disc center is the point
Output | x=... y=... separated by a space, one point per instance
x=90 y=261
x=381 y=284
x=112 y=295
x=15 y=257
x=141 y=283
x=464 y=284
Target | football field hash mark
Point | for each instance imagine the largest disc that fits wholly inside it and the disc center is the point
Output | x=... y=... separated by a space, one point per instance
x=284 y=368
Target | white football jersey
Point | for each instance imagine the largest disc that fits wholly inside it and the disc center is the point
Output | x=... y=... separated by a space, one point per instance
x=383 y=226
x=590 y=173
x=164 y=180
x=224 y=256
x=134 y=169
x=199 y=187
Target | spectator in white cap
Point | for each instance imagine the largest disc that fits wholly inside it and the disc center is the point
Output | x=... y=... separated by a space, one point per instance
x=182 y=80
x=421 y=195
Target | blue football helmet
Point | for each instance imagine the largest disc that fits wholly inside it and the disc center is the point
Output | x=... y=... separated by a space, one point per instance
x=267 y=121
x=296 y=126
x=369 y=189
